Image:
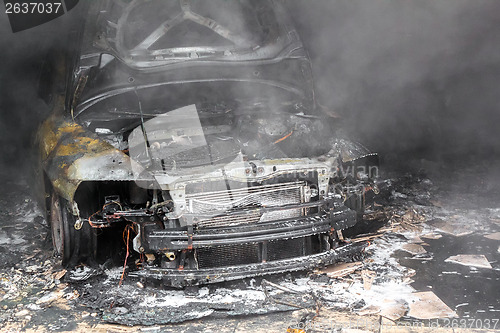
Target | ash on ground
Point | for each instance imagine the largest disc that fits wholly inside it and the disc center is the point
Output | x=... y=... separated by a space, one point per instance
x=428 y=243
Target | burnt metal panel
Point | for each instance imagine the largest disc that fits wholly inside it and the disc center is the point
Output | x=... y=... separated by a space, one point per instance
x=179 y=278
x=70 y=155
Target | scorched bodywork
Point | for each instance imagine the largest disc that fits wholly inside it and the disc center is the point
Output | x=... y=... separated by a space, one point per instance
x=199 y=136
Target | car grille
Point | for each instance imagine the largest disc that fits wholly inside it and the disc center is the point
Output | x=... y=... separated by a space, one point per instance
x=228 y=255
x=234 y=206
x=245 y=254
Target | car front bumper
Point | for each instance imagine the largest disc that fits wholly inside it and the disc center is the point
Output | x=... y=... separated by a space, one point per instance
x=166 y=240
x=183 y=277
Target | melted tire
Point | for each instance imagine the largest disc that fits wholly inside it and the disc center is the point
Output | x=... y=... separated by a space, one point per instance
x=72 y=245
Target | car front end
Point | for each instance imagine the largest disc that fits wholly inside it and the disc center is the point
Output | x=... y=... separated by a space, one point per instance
x=213 y=163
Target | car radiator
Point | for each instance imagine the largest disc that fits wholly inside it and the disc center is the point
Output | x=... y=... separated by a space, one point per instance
x=226 y=208
x=244 y=254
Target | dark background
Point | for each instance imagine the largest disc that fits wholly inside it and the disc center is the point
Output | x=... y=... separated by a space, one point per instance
x=411 y=79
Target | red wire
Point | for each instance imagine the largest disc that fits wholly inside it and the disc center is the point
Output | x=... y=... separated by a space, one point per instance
x=283 y=138
x=126 y=257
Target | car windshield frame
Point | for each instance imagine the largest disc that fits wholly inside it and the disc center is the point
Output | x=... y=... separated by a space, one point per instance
x=114 y=27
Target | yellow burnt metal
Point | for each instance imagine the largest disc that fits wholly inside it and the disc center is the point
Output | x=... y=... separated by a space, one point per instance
x=47 y=138
x=65 y=187
x=62 y=143
x=282 y=161
x=79 y=144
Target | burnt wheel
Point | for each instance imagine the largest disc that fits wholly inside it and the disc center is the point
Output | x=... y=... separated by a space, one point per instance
x=72 y=245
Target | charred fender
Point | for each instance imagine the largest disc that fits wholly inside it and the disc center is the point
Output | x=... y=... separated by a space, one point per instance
x=70 y=155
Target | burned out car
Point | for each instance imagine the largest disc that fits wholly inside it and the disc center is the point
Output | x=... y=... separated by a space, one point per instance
x=190 y=127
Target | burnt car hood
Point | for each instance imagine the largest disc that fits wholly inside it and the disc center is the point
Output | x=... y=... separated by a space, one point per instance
x=161 y=33
x=261 y=53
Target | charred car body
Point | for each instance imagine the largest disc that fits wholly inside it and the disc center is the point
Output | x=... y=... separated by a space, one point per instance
x=193 y=125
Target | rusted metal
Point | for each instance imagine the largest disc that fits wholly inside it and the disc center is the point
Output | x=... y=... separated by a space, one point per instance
x=70 y=154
